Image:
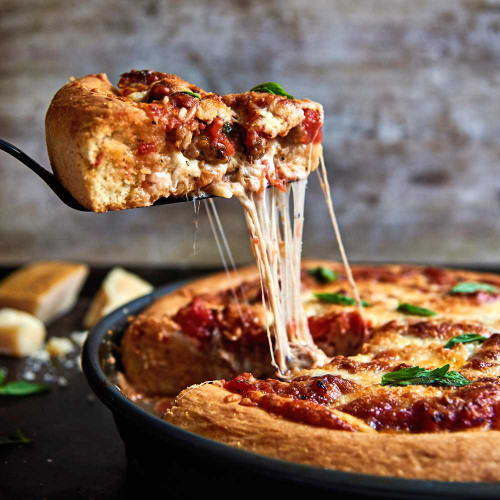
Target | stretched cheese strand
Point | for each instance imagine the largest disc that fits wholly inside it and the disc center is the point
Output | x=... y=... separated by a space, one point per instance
x=229 y=254
x=325 y=187
x=277 y=246
x=196 y=205
x=210 y=207
x=264 y=243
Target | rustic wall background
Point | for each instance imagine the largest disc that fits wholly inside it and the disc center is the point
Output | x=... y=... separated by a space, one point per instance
x=410 y=90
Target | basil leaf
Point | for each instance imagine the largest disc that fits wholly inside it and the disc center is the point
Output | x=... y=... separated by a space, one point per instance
x=16 y=437
x=339 y=298
x=422 y=376
x=22 y=388
x=187 y=92
x=454 y=379
x=415 y=310
x=466 y=338
x=271 y=88
x=472 y=287
x=3 y=375
x=323 y=274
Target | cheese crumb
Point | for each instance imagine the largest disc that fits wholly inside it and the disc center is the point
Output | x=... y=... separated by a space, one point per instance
x=59 y=346
x=79 y=338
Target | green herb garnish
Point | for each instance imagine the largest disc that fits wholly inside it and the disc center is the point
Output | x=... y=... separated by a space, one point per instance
x=323 y=274
x=472 y=287
x=415 y=310
x=187 y=92
x=3 y=375
x=22 y=388
x=271 y=88
x=466 y=338
x=422 y=376
x=16 y=437
x=339 y=298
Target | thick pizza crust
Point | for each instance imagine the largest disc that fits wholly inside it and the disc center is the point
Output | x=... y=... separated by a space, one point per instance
x=458 y=456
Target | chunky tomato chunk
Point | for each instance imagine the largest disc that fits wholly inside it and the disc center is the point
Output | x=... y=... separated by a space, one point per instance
x=196 y=320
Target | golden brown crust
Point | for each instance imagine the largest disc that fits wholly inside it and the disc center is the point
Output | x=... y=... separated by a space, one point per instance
x=459 y=456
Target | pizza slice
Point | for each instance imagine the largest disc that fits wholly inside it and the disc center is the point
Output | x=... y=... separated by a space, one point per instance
x=156 y=135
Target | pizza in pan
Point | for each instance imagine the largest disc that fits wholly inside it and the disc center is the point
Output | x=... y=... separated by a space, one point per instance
x=390 y=370
x=156 y=135
x=410 y=389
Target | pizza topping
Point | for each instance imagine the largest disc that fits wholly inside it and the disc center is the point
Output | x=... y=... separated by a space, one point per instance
x=469 y=287
x=187 y=92
x=219 y=139
x=233 y=321
x=487 y=357
x=146 y=149
x=322 y=390
x=311 y=127
x=136 y=81
x=196 y=320
x=414 y=310
x=271 y=88
x=323 y=274
x=237 y=320
x=338 y=333
x=474 y=406
x=442 y=330
x=422 y=376
x=339 y=298
x=465 y=338
x=383 y=274
x=439 y=276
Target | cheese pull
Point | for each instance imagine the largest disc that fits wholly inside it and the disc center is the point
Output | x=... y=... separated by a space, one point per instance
x=118 y=288
x=45 y=289
x=21 y=333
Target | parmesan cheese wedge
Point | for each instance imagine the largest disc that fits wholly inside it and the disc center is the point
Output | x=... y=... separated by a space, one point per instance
x=45 y=289
x=20 y=333
x=118 y=288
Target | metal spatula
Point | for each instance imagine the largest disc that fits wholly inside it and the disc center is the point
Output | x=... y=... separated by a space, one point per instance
x=60 y=191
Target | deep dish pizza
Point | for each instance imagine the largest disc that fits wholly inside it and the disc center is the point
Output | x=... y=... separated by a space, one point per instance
x=412 y=390
x=395 y=375
x=156 y=135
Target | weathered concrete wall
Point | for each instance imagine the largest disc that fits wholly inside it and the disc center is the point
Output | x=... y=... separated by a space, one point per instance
x=410 y=89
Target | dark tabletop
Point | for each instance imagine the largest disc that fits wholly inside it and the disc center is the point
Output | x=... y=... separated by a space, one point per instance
x=76 y=451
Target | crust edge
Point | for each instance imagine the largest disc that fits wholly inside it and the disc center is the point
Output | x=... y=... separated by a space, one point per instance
x=459 y=456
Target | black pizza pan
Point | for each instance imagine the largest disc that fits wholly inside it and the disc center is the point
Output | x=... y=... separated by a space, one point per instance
x=166 y=460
